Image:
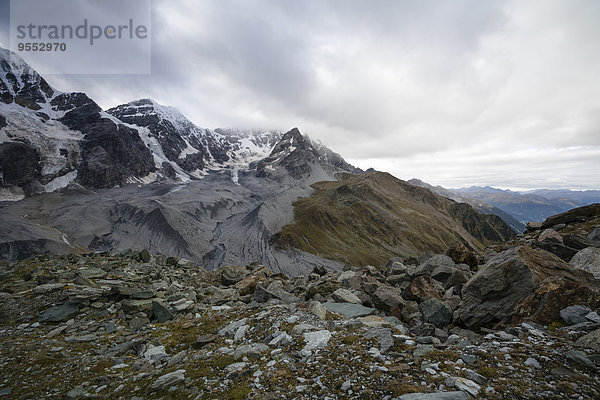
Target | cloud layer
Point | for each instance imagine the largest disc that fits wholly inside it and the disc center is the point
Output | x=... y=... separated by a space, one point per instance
x=502 y=93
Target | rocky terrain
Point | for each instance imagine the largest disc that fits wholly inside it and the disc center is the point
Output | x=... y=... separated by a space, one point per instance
x=512 y=322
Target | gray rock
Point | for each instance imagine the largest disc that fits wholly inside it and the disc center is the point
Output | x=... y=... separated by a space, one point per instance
x=347 y=385
x=574 y=314
x=590 y=340
x=594 y=236
x=349 y=310
x=60 y=313
x=235 y=367
x=110 y=327
x=423 y=350
x=532 y=362
x=588 y=260
x=253 y=351
x=168 y=380
x=386 y=298
x=467 y=385
x=124 y=348
x=593 y=316
x=240 y=333
x=494 y=293
x=438 y=260
x=316 y=340
x=143 y=294
x=435 y=312
x=345 y=296
x=155 y=353
x=580 y=358
x=144 y=256
x=230 y=329
x=384 y=337
x=160 y=312
x=469 y=359
x=274 y=291
x=75 y=393
x=205 y=339
x=136 y=306
x=231 y=275
x=435 y=396
x=317 y=308
x=91 y=273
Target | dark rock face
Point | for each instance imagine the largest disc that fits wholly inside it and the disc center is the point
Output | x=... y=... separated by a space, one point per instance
x=19 y=164
x=2 y=121
x=22 y=249
x=298 y=155
x=495 y=293
x=28 y=89
x=110 y=153
x=174 y=137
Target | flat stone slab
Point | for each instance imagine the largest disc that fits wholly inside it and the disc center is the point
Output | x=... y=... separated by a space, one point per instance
x=349 y=310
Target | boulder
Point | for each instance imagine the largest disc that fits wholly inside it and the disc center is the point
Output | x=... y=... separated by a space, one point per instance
x=323 y=288
x=423 y=288
x=135 y=306
x=247 y=285
x=550 y=234
x=590 y=341
x=60 y=313
x=588 y=260
x=460 y=254
x=167 y=380
x=438 y=260
x=544 y=304
x=160 y=312
x=556 y=247
x=349 y=310
x=274 y=291
x=495 y=293
x=435 y=312
x=345 y=296
x=388 y=299
x=579 y=214
x=574 y=314
x=231 y=275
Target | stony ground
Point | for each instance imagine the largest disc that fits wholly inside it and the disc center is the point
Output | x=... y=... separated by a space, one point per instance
x=133 y=326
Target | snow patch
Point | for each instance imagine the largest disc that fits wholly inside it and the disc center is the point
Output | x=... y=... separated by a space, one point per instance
x=60 y=182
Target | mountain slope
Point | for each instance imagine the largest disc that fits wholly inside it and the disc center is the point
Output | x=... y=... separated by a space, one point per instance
x=369 y=218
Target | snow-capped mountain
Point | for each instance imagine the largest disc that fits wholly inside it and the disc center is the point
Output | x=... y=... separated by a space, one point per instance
x=182 y=151
x=296 y=156
x=50 y=139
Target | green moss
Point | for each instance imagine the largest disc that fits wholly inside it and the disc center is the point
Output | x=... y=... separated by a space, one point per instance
x=220 y=362
x=238 y=392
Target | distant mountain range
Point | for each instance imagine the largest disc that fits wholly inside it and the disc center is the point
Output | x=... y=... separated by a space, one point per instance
x=517 y=208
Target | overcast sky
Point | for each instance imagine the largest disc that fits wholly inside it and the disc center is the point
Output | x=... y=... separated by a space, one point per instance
x=456 y=93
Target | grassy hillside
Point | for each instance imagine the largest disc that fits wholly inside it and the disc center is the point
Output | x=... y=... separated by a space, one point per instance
x=366 y=219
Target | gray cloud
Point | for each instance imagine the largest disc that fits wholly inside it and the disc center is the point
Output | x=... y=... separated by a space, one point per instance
x=464 y=92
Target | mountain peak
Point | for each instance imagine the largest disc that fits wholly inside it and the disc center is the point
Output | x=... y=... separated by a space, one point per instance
x=21 y=84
